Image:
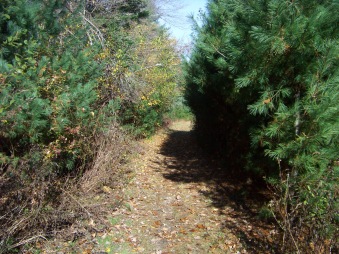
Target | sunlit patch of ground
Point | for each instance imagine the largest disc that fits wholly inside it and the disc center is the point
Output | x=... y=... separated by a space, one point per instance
x=180 y=201
x=176 y=204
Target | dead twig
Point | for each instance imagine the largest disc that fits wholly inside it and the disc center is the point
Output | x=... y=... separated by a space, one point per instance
x=95 y=30
x=88 y=213
x=26 y=241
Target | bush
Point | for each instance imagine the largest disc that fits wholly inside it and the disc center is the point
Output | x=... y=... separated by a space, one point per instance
x=263 y=83
x=146 y=70
x=49 y=91
x=51 y=112
x=69 y=72
x=179 y=110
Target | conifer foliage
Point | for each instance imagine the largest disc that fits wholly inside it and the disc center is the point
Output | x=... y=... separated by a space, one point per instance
x=263 y=83
x=67 y=67
x=49 y=89
x=71 y=74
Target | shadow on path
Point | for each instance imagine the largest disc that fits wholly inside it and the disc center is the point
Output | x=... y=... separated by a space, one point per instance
x=238 y=198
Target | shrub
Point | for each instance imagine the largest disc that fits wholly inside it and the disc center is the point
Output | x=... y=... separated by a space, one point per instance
x=263 y=81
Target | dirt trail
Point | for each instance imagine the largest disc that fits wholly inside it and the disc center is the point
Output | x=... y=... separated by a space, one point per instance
x=176 y=203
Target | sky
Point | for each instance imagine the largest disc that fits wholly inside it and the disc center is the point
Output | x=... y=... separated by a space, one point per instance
x=180 y=26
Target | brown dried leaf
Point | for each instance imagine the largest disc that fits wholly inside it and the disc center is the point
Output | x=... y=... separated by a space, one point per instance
x=157 y=223
x=201 y=226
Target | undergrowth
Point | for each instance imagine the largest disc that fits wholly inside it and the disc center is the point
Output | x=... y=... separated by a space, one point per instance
x=36 y=205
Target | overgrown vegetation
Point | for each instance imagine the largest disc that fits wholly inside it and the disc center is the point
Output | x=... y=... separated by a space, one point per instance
x=262 y=83
x=71 y=74
x=77 y=76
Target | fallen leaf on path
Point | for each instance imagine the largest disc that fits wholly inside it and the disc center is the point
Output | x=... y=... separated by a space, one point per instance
x=106 y=189
x=88 y=251
x=157 y=223
x=133 y=239
x=183 y=219
x=201 y=226
x=183 y=231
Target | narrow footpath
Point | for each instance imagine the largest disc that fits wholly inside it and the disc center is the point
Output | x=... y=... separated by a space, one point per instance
x=177 y=203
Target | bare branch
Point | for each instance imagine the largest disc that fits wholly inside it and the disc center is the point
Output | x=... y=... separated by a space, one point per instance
x=26 y=241
x=169 y=12
x=76 y=201
x=95 y=30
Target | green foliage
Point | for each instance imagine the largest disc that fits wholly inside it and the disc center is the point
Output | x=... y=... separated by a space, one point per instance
x=266 y=213
x=263 y=77
x=141 y=119
x=59 y=87
x=69 y=71
x=179 y=110
x=136 y=7
x=49 y=88
x=142 y=71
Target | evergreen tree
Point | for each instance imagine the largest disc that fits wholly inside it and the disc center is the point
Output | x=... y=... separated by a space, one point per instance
x=49 y=89
x=264 y=76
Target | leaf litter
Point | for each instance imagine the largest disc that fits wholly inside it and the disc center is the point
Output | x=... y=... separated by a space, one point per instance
x=173 y=204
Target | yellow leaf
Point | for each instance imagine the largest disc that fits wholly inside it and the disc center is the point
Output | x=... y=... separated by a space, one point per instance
x=267 y=101
x=106 y=189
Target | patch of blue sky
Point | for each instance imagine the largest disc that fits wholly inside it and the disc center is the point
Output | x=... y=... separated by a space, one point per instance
x=179 y=24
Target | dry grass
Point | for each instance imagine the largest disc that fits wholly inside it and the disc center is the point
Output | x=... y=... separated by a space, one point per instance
x=35 y=206
x=111 y=156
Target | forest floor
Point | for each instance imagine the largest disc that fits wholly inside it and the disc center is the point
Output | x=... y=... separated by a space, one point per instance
x=179 y=201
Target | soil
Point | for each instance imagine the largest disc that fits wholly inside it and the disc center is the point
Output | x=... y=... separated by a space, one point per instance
x=181 y=201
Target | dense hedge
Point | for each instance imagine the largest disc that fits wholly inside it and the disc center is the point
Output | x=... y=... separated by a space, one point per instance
x=262 y=82
x=66 y=76
x=73 y=74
